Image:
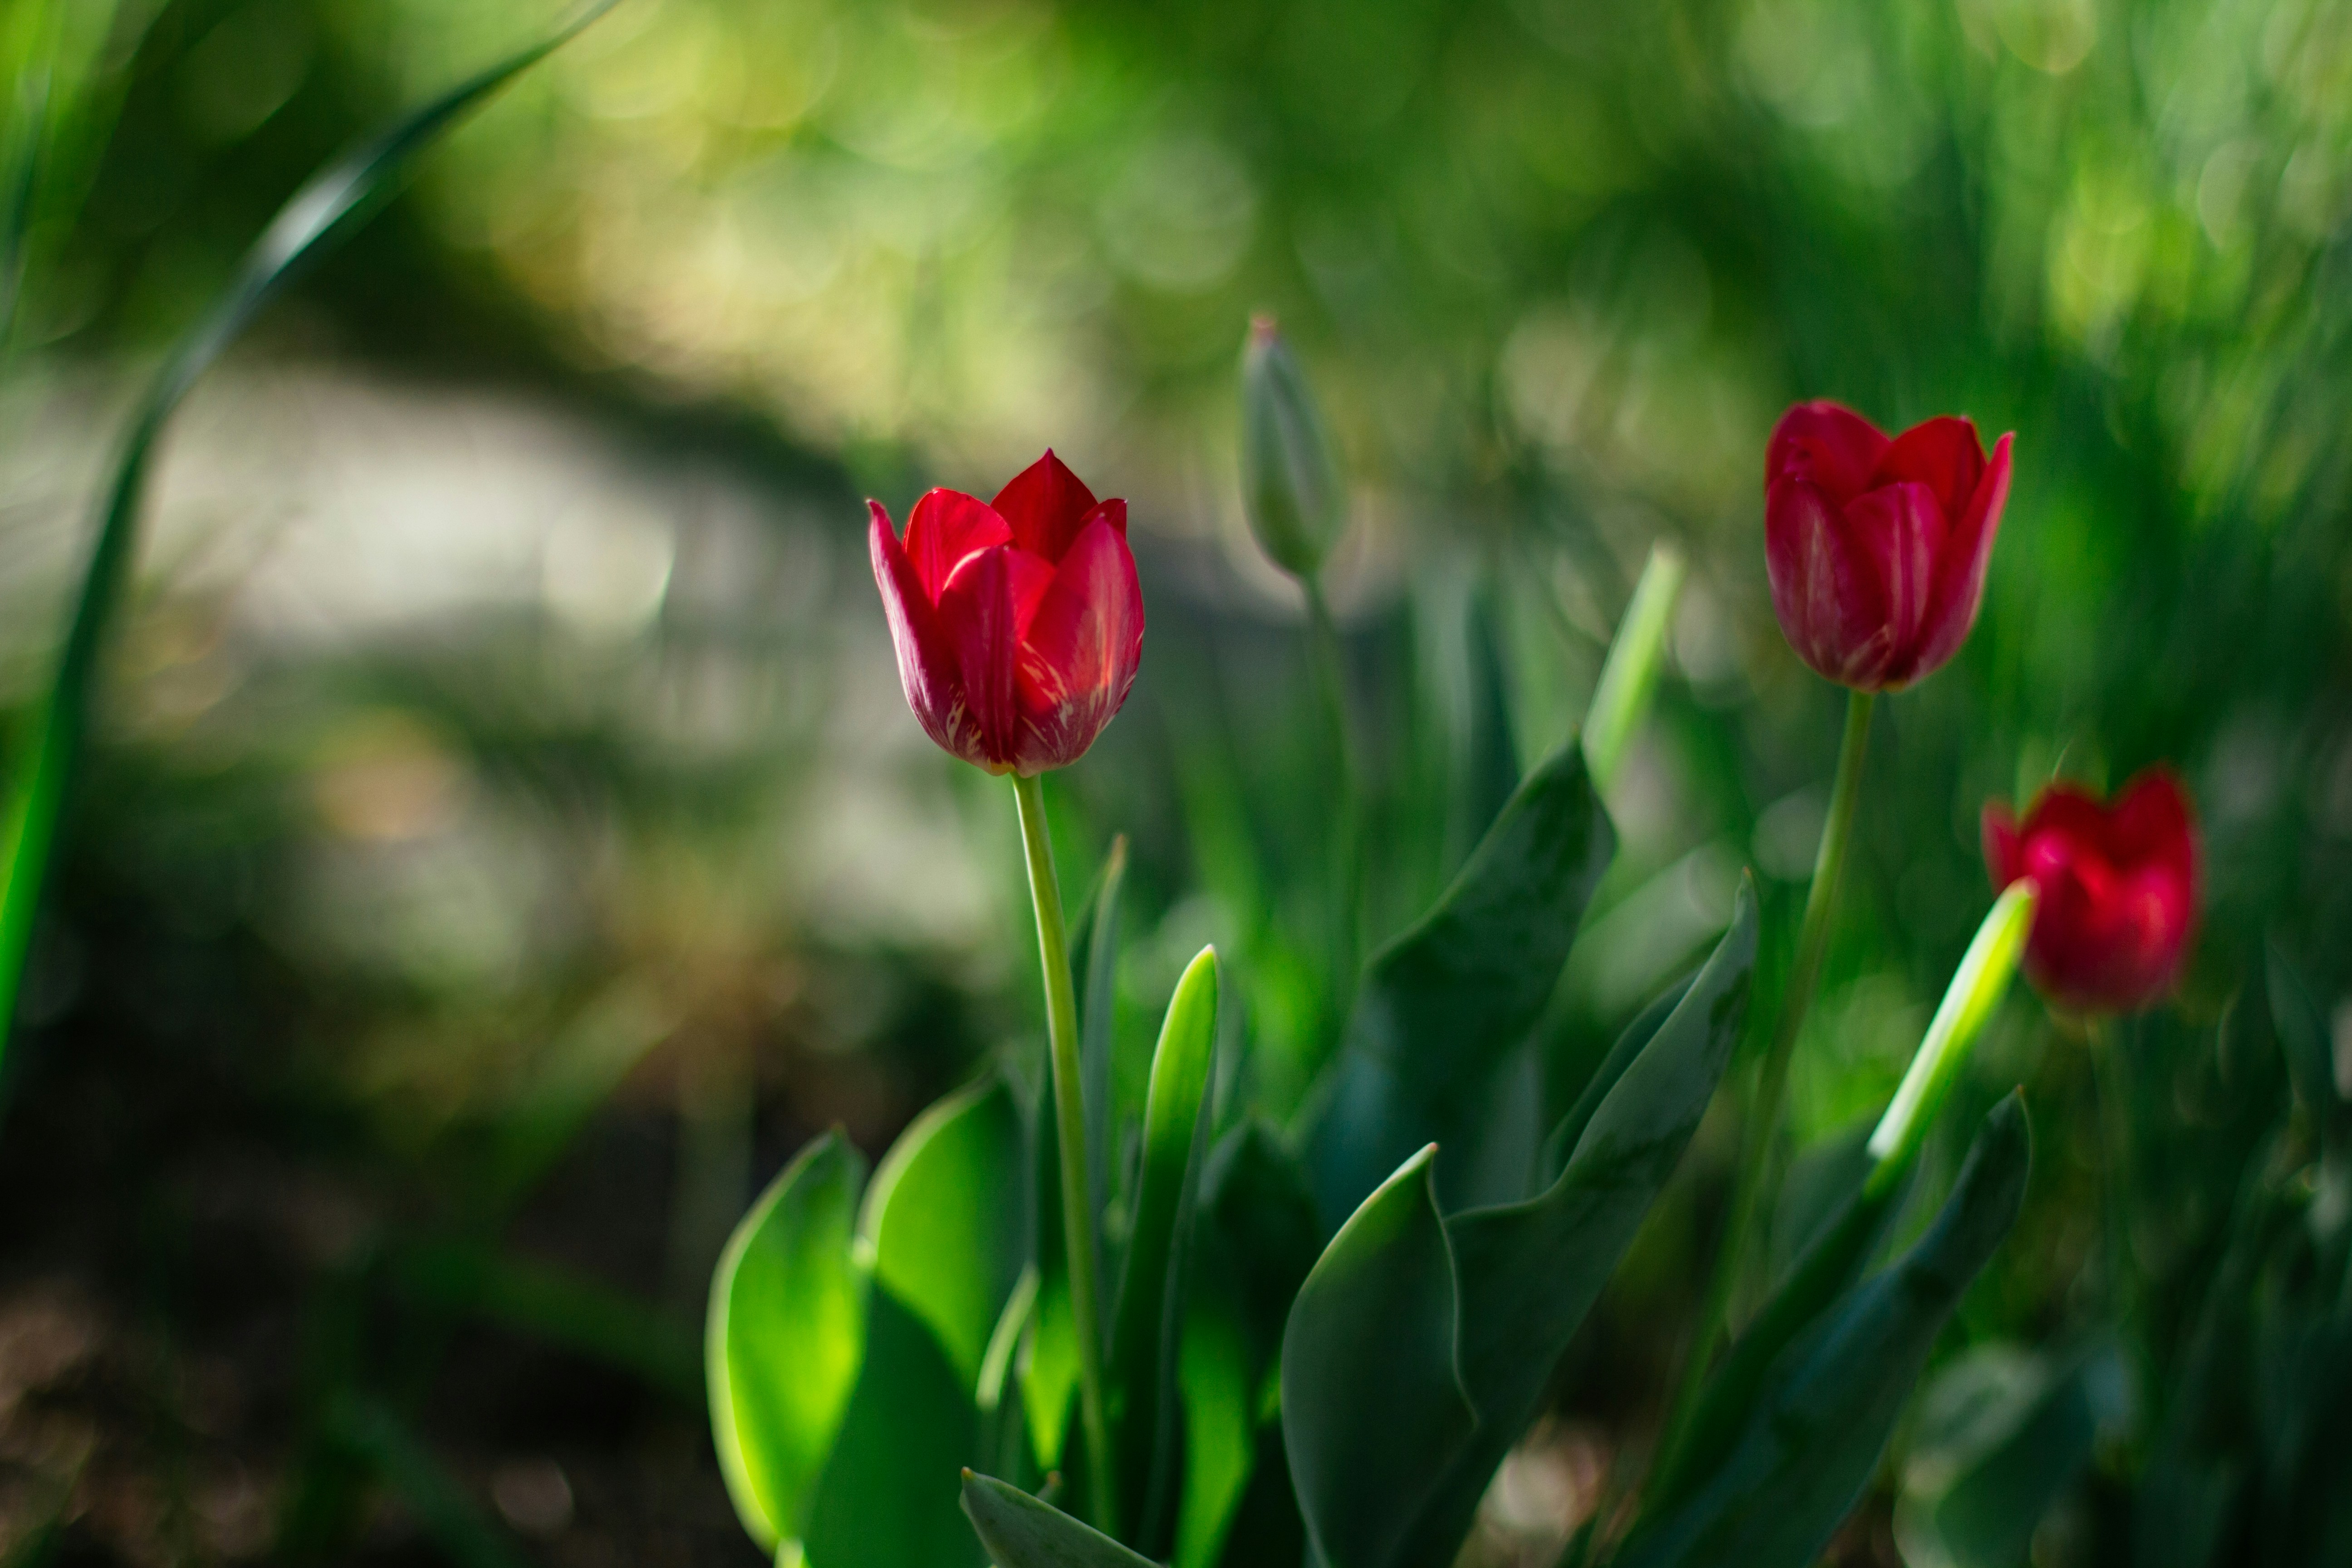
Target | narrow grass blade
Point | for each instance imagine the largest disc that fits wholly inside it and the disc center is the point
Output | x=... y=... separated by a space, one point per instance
x=318 y=217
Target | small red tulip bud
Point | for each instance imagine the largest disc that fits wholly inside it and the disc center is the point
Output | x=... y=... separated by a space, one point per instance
x=2117 y=889
x=1877 y=548
x=1019 y=623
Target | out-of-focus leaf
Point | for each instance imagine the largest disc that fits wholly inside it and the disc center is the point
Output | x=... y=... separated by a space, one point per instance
x=1528 y=1272
x=1629 y=673
x=944 y=1219
x=2203 y=1457
x=582 y=1066
x=401 y=1459
x=1373 y=1405
x=559 y=1308
x=785 y=1338
x=1020 y=1531
x=888 y=1496
x=2306 y=1042
x=1146 y=1329
x=1444 y=1003
x=2002 y=1433
x=308 y=226
x=1388 y=1472
x=1822 y=1419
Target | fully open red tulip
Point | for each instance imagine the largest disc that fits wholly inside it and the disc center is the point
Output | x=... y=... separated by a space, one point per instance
x=2117 y=889
x=1019 y=622
x=1877 y=548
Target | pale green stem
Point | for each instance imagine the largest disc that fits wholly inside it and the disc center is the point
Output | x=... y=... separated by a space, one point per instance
x=1070 y=1122
x=1629 y=673
x=1753 y=1182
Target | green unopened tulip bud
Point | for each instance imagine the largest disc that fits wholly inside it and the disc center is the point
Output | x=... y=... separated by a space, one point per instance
x=1291 y=486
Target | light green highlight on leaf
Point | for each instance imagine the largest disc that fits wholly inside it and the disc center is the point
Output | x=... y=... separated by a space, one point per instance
x=1629 y=675
x=1977 y=988
x=785 y=1338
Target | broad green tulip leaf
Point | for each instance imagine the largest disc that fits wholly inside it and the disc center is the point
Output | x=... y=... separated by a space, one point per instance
x=888 y=1496
x=1570 y=1132
x=1825 y=1412
x=1259 y=1216
x=1442 y=1005
x=1265 y=1529
x=1255 y=1241
x=1527 y=1273
x=944 y=1218
x=1145 y=1327
x=2002 y=1433
x=1373 y=1406
x=785 y=1338
x=312 y=222
x=1022 y=1532
x=1214 y=1381
x=1047 y=1365
x=1832 y=1260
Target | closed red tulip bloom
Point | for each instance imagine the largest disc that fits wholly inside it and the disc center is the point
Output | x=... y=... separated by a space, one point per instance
x=1019 y=622
x=1877 y=548
x=2117 y=889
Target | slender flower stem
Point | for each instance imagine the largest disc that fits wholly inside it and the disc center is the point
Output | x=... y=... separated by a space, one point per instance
x=1070 y=1122
x=1347 y=824
x=1751 y=1188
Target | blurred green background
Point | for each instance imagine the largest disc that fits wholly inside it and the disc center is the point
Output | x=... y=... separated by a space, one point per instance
x=505 y=841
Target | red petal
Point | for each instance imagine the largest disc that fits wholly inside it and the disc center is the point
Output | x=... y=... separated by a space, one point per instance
x=1959 y=591
x=945 y=527
x=2120 y=893
x=1944 y=454
x=980 y=620
x=927 y=668
x=1825 y=444
x=2150 y=823
x=1080 y=655
x=1112 y=511
x=1900 y=531
x=1031 y=576
x=1045 y=504
x=1830 y=600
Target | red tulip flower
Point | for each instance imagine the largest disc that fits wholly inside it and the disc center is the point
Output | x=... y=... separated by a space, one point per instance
x=1877 y=548
x=1019 y=622
x=2117 y=889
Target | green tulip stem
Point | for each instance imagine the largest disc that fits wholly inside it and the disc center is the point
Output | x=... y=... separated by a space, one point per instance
x=1750 y=1189
x=1346 y=821
x=1070 y=1122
